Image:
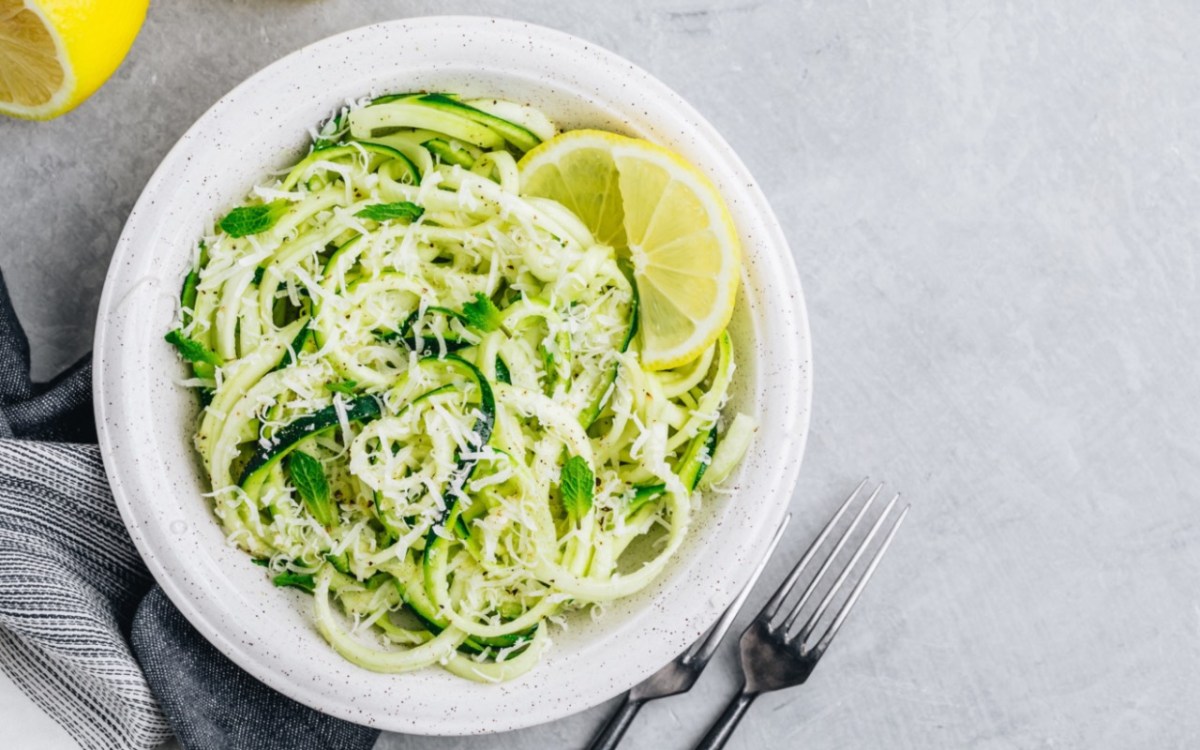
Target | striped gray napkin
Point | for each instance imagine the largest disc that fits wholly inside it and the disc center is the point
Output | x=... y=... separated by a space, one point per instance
x=83 y=629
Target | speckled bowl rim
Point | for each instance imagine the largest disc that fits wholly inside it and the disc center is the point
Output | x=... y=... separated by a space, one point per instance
x=141 y=412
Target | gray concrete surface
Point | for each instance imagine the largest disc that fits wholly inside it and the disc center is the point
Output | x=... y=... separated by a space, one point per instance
x=993 y=208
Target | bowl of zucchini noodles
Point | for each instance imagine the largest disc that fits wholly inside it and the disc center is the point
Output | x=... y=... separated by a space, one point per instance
x=412 y=432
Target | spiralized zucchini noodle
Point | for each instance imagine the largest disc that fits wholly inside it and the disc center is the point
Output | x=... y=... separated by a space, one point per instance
x=423 y=400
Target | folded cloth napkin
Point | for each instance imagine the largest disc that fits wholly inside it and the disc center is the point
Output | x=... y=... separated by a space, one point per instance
x=83 y=629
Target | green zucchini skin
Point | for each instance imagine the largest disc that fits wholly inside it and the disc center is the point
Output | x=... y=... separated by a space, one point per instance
x=428 y=349
x=436 y=546
x=336 y=152
x=695 y=461
x=502 y=373
x=487 y=400
x=187 y=303
x=359 y=410
x=426 y=346
x=592 y=412
x=691 y=470
x=520 y=137
x=395 y=97
x=495 y=132
x=299 y=344
x=417 y=600
x=187 y=295
x=442 y=149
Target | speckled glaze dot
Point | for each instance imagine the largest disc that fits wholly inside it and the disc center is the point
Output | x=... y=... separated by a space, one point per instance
x=146 y=420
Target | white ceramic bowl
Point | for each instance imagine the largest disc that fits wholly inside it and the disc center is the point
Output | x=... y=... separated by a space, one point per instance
x=146 y=420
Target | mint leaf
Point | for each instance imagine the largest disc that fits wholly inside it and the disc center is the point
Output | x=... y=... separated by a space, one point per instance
x=308 y=476
x=304 y=582
x=345 y=386
x=577 y=485
x=482 y=314
x=192 y=350
x=247 y=220
x=406 y=210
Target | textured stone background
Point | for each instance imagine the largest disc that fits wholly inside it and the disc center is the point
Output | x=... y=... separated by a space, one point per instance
x=993 y=208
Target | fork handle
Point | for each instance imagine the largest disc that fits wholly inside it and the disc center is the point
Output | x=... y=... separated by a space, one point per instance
x=722 y=730
x=610 y=736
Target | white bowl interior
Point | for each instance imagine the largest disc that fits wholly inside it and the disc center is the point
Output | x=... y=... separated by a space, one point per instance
x=146 y=420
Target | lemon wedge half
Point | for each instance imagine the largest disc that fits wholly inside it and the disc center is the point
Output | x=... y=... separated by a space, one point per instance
x=640 y=197
x=56 y=53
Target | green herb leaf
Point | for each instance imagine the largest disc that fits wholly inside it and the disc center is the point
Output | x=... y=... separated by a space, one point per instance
x=308 y=476
x=192 y=350
x=247 y=220
x=345 y=386
x=258 y=274
x=405 y=210
x=304 y=582
x=578 y=486
x=482 y=314
x=263 y=561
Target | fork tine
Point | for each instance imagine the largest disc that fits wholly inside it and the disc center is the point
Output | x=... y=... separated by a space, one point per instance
x=858 y=589
x=811 y=625
x=837 y=548
x=768 y=612
x=702 y=650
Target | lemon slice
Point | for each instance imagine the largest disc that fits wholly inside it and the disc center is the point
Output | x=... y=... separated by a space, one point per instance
x=55 y=53
x=641 y=197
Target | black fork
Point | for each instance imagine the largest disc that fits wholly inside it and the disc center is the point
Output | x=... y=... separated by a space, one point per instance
x=778 y=652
